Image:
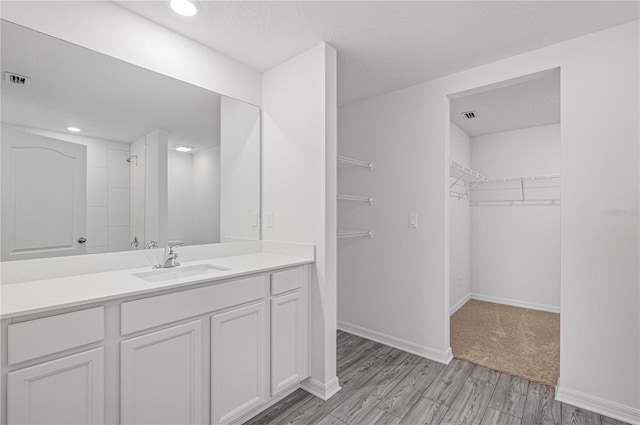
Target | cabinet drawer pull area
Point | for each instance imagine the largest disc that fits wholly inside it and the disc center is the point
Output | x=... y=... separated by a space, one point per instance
x=155 y=311
x=287 y=280
x=40 y=337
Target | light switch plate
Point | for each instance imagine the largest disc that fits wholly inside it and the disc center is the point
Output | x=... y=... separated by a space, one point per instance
x=413 y=221
x=254 y=219
x=269 y=219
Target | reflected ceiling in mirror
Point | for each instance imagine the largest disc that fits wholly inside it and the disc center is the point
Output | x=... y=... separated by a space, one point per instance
x=139 y=188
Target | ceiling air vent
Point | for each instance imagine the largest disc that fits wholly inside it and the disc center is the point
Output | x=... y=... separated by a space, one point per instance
x=469 y=114
x=17 y=79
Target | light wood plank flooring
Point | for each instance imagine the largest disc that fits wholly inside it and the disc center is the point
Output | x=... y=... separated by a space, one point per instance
x=383 y=385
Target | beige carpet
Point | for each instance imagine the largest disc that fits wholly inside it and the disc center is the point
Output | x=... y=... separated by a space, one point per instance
x=517 y=341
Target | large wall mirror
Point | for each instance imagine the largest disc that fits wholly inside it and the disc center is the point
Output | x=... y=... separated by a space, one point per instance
x=99 y=155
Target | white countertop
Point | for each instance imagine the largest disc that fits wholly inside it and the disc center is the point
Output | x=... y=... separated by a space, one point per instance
x=36 y=296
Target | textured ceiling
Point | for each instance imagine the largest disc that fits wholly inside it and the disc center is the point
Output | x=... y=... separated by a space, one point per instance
x=386 y=45
x=522 y=105
x=105 y=97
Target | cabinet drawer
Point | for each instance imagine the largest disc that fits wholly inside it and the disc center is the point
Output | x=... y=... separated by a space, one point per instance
x=155 y=311
x=287 y=280
x=40 y=337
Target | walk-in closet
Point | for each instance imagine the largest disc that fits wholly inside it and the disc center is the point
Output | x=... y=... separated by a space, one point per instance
x=504 y=226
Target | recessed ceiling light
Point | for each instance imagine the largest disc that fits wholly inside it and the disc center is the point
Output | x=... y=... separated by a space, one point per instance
x=183 y=7
x=183 y=148
x=74 y=129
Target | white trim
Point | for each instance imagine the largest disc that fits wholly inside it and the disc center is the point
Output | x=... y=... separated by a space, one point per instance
x=515 y=303
x=459 y=304
x=599 y=405
x=319 y=389
x=440 y=356
x=255 y=412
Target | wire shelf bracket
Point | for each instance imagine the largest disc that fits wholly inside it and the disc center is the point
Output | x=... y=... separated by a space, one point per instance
x=464 y=176
x=345 y=161
x=367 y=199
x=364 y=234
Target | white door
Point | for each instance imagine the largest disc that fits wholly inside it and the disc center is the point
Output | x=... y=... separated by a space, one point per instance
x=66 y=391
x=160 y=377
x=44 y=196
x=238 y=362
x=287 y=341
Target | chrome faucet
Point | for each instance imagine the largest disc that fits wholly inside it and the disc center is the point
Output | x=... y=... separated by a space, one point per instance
x=170 y=256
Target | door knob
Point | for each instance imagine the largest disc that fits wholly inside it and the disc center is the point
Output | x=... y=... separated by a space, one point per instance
x=81 y=240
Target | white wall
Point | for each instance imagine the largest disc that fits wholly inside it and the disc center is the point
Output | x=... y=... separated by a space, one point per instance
x=137 y=177
x=516 y=248
x=406 y=134
x=206 y=196
x=299 y=183
x=392 y=286
x=156 y=180
x=107 y=189
x=239 y=170
x=180 y=197
x=112 y=30
x=459 y=225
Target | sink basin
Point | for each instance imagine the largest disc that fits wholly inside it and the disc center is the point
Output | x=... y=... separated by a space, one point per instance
x=179 y=272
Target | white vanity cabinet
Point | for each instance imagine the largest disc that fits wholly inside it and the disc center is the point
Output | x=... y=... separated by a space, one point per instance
x=217 y=353
x=56 y=388
x=160 y=377
x=68 y=390
x=289 y=335
x=238 y=362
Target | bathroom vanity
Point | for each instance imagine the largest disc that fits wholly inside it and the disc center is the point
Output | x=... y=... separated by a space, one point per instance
x=216 y=343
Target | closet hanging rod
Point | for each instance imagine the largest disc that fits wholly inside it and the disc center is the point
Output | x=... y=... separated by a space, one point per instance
x=368 y=199
x=523 y=178
x=510 y=202
x=355 y=162
x=368 y=233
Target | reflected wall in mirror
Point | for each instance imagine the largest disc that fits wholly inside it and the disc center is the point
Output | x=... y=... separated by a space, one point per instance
x=155 y=159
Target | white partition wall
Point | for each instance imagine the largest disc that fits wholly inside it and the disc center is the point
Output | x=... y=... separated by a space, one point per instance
x=460 y=226
x=299 y=186
x=240 y=170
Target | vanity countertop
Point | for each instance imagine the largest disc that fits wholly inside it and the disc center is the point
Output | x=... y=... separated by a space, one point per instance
x=36 y=296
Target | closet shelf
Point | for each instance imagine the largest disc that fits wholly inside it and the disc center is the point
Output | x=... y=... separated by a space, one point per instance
x=465 y=174
x=344 y=161
x=463 y=180
x=363 y=234
x=368 y=199
x=467 y=183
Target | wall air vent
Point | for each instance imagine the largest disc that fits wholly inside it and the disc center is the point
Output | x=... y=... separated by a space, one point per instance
x=17 y=79
x=470 y=114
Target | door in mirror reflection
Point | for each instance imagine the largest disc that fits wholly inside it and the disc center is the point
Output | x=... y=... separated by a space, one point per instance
x=43 y=196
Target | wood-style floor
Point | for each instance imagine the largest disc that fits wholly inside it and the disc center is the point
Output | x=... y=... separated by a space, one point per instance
x=383 y=385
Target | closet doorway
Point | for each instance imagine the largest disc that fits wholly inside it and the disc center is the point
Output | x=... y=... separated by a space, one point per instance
x=504 y=218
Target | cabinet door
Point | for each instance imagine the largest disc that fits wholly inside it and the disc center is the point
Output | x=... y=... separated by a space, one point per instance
x=287 y=341
x=160 y=377
x=238 y=357
x=65 y=391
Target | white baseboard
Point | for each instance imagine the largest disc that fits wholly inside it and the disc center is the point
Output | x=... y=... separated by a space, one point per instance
x=599 y=405
x=440 y=356
x=255 y=412
x=515 y=303
x=459 y=304
x=319 y=389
